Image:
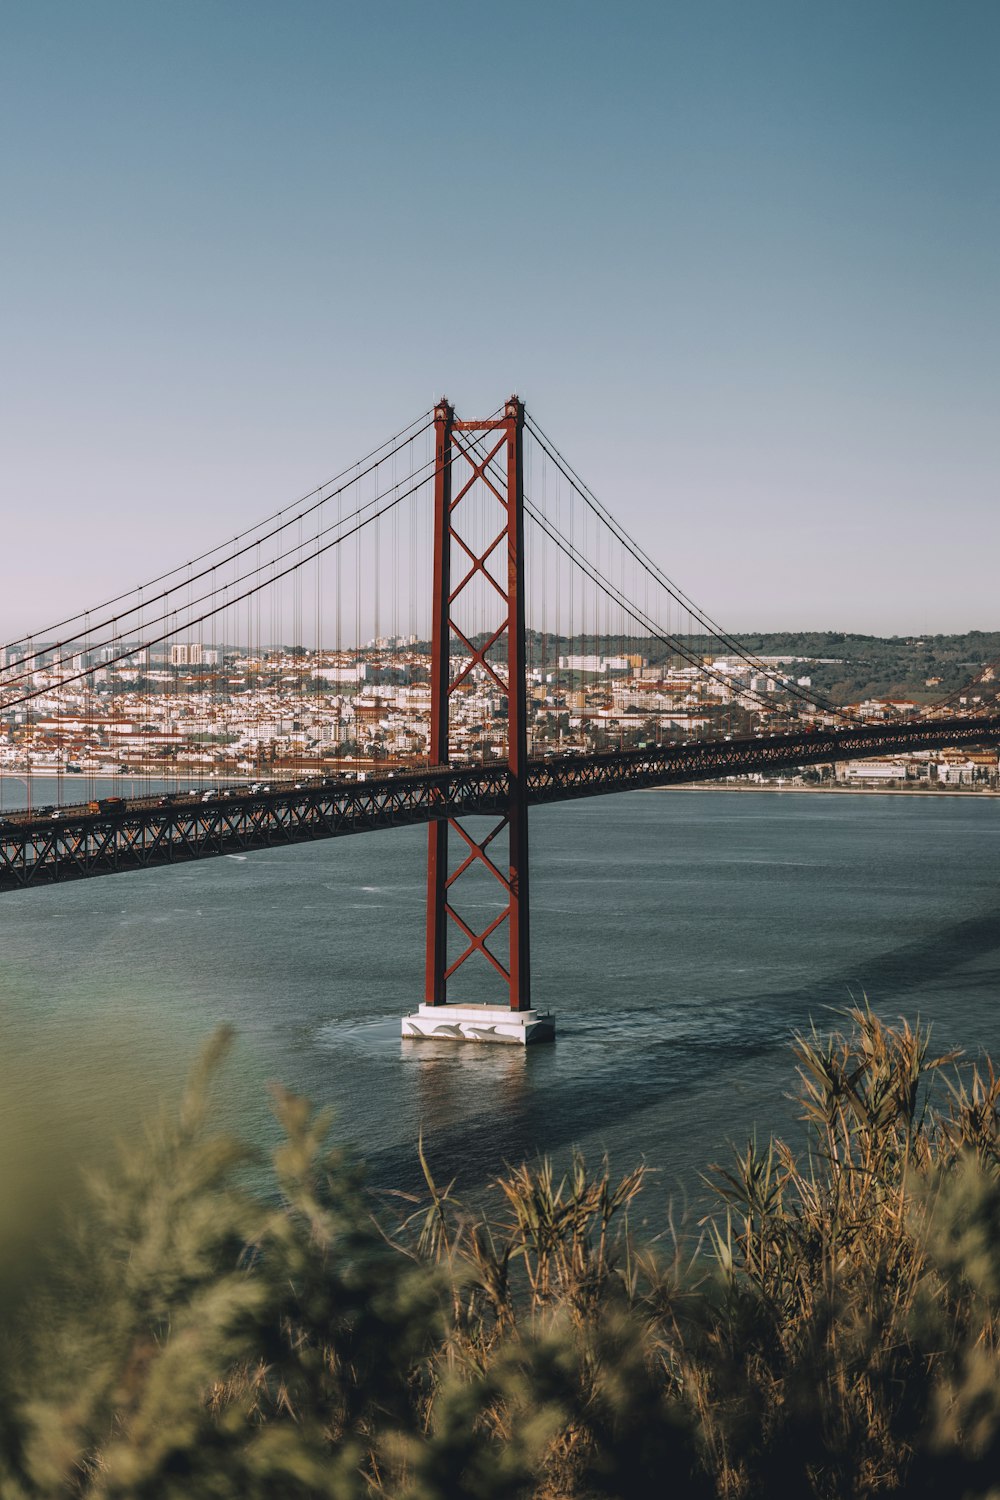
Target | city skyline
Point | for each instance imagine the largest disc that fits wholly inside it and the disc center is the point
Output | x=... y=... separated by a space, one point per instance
x=739 y=265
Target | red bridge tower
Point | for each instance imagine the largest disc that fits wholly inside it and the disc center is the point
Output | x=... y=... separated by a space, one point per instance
x=479 y=465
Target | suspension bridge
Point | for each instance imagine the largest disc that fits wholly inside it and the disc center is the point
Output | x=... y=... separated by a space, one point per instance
x=523 y=649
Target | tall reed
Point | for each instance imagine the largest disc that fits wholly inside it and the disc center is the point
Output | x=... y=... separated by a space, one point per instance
x=830 y=1329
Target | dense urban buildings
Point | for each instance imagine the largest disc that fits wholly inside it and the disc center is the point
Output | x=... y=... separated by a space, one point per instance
x=198 y=710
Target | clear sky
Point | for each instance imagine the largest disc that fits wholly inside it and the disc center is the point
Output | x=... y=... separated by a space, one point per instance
x=741 y=261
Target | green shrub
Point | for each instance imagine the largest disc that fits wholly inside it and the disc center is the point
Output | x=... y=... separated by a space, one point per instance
x=833 y=1330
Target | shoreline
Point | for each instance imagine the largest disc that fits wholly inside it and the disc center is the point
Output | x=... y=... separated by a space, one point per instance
x=835 y=789
x=839 y=791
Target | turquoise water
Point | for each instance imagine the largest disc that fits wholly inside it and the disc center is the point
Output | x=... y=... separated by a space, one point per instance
x=681 y=937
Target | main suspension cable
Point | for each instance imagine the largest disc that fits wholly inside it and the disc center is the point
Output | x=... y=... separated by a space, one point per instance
x=710 y=626
x=116 y=621
x=188 y=624
x=398 y=440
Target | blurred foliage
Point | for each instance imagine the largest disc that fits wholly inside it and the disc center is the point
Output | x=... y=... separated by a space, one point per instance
x=832 y=1330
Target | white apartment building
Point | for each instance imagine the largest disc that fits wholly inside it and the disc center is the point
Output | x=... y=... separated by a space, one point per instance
x=186 y=654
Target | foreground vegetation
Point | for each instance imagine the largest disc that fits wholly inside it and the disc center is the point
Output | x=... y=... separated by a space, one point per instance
x=833 y=1330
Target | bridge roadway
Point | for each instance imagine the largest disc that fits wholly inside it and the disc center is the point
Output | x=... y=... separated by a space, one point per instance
x=72 y=843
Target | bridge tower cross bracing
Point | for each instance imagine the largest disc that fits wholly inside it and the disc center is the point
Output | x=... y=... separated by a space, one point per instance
x=485 y=453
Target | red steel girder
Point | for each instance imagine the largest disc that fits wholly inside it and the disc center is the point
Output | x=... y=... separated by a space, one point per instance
x=477 y=942
x=477 y=852
x=479 y=564
x=478 y=472
x=506 y=453
x=478 y=655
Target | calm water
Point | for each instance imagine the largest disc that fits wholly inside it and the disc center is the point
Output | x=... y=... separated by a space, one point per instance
x=681 y=937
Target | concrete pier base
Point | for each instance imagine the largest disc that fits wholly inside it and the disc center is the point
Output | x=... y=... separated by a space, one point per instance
x=480 y=1023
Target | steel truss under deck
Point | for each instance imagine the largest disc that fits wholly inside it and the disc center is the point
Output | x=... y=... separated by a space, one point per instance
x=75 y=843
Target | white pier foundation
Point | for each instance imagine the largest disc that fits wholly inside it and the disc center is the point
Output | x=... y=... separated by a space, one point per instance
x=480 y=1023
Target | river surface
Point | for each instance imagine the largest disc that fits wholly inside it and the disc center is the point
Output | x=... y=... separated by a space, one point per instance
x=682 y=938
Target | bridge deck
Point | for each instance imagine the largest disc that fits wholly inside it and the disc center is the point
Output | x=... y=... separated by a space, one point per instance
x=74 y=843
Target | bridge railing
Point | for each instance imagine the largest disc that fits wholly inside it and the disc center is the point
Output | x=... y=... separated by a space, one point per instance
x=75 y=843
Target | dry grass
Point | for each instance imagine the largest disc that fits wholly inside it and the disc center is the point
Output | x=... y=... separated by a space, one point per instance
x=832 y=1330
